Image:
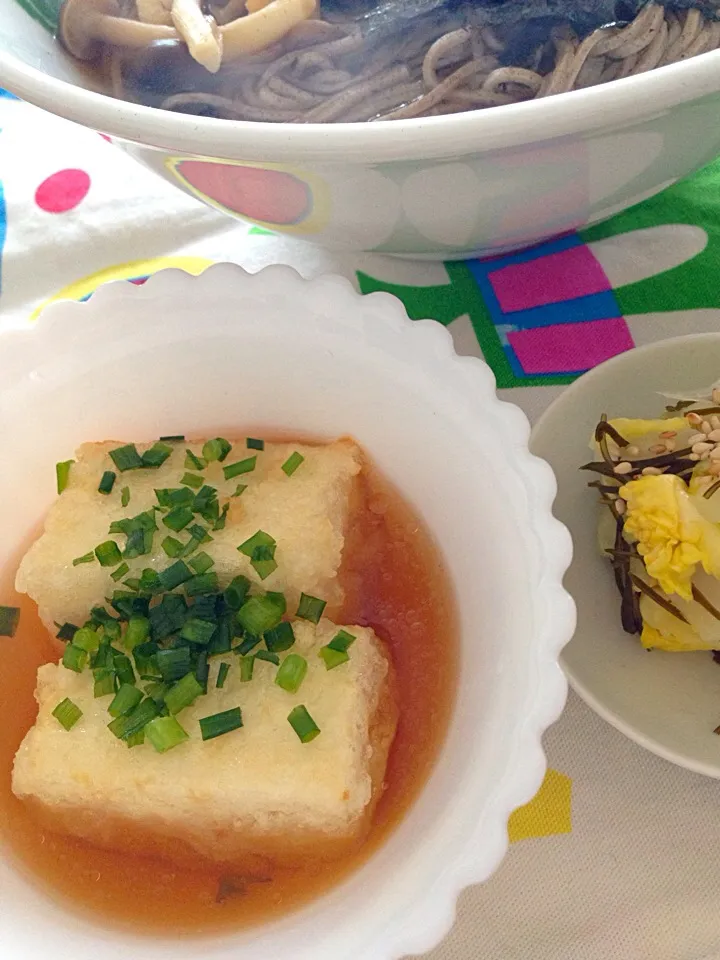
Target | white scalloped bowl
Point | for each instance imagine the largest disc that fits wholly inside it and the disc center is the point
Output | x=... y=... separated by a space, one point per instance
x=209 y=353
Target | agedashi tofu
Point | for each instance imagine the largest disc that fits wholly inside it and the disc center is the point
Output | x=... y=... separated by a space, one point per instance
x=298 y=494
x=256 y=792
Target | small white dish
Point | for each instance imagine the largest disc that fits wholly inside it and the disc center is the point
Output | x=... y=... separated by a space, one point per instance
x=668 y=703
x=212 y=352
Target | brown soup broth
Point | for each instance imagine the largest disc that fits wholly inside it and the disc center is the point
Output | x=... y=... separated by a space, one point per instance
x=395 y=583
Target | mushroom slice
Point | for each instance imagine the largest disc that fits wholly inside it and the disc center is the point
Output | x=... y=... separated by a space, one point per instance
x=201 y=33
x=154 y=11
x=259 y=30
x=85 y=25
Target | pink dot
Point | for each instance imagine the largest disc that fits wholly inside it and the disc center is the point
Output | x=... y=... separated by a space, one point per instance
x=62 y=191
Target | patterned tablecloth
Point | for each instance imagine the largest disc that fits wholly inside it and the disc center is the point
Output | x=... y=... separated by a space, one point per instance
x=618 y=856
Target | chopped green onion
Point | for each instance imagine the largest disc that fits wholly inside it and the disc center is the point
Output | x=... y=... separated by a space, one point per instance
x=223 y=671
x=156 y=455
x=145 y=655
x=291 y=673
x=252 y=444
x=303 y=724
x=201 y=562
x=280 y=637
x=237 y=469
x=278 y=599
x=125 y=700
x=333 y=658
x=193 y=462
x=221 y=723
x=216 y=449
x=221 y=520
x=101 y=616
x=174 y=497
x=66 y=632
x=236 y=592
x=267 y=655
x=221 y=640
x=178 y=518
x=202 y=583
x=62 y=474
x=239 y=490
x=127 y=604
x=157 y=690
x=310 y=608
x=259 y=614
x=131 y=723
x=123 y=668
x=103 y=656
x=206 y=606
x=137 y=632
x=126 y=458
x=175 y=574
x=67 y=713
x=202 y=670
x=246 y=669
x=183 y=693
x=132 y=583
x=248 y=644
x=150 y=581
x=108 y=553
x=120 y=572
x=74 y=658
x=139 y=543
x=199 y=534
x=176 y=438
x=342 y=641
x=173 y=663
x=164 y=733
x=259 y=539
x=292 y=463
x=192 y=480
x=125 y=496
x=9 y=619
x=85 y=558
x=172 y=546
x=143 y=521
x=263 y=561
x=197 y=631
x=87 y=639
x=104 y=682
x=168 y=616
x=107 y=482
x=136 y=739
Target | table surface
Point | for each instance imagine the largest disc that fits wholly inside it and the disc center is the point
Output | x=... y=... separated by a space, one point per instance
x=618 y=856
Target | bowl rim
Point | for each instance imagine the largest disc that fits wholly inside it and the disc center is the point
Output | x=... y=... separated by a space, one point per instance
x=620 y=102
x=616 y=720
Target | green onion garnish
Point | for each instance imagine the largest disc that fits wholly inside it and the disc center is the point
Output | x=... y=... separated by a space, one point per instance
x=125 y=496
x=107 y=482
x=156 y=455
x=246 y=669
x=199 y=534
x=123 y=668
x=150 y=581
x=176 y=438
x=205 y=502
x=126 y=458
x=164 y=733
x=216 y=449
x=108 y=553
x=201 y=562
x=87 y=639
x=292 y=463
x=67 y=713
x=252 y=444
x=221 y=723
x=201 y=584
x=259 y=539
x=239 y=490
x=303 y=724
x=268 y=656
x=174 y=575
x=192 y=480
x=174 y=497
x=310 y=608
x=202 y=670
x=120 y=572
x=236 y=592
x=280 y=637
x=223 y=671
x=221 y=520
x=259 y=614
x=168 y=616
x=172 y=546
x=132 y=723
x=206 y=607
x=74 y=658
x=333 y=658
x=183 y=693
x=104 y=682
x=197 y=631
x=263 y=561
x=62 y=474
x=178 y=518
x=291 y=673
x=103 y=656
x=135 y=739
x=221 y=640
x=157 y=691
x=193 y=462
x=137 y=632
x=278 y=599
x=85 y=558
x=248 y=644
x=125 y=700
x=66 y=632
x=342 y=641
x=173 y=663
x=144 y=655
x=237 y=469
x=9 y=619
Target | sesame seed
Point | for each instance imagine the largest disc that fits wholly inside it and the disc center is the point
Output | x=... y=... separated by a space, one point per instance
x=705 y=427
x=693 y=418
x=632 y=451
x=620 y=505
x=623 y=467
x=658 y=448
x=696 y=438
x=701 y=448
x=714 y=436
x=651 y=472
x=715 y=422
x=693 y=456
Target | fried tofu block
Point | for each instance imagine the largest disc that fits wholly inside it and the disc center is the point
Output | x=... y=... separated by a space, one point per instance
x=256 y=793
x=306 y=513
